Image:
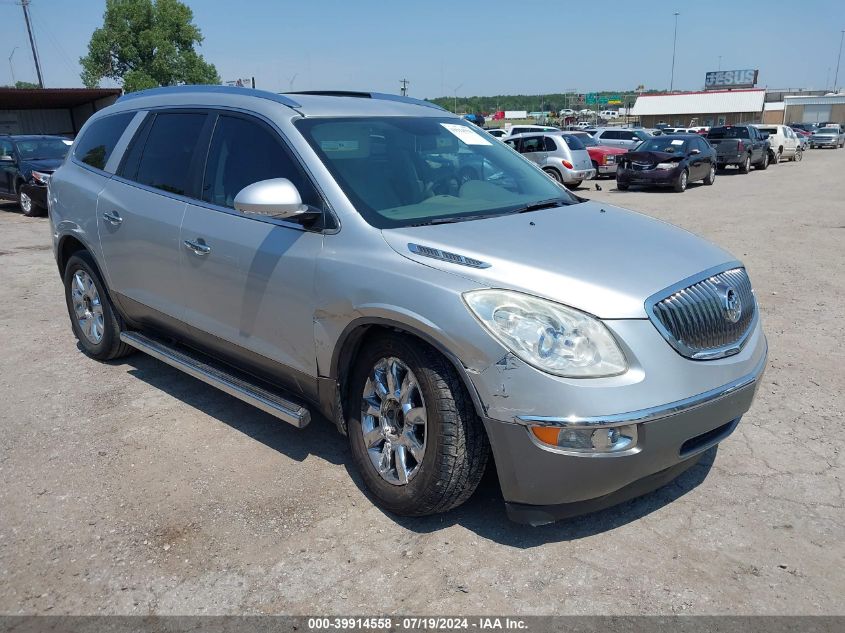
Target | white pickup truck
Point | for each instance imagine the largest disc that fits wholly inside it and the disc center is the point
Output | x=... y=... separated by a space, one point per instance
x=783 y=141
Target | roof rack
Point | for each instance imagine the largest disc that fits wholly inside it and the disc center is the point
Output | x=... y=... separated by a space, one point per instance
x=367 y=95
x=213 y=89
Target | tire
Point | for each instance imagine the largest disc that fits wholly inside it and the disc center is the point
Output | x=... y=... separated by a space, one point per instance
x=775 y=158
x=681 y=182
x=27 y=206
x=554 y=174
x=453 y=446
x=711 y=175
x=764 y=163
x=622 y=186
x=745 y=167
x=575 y=185
x=596 y=167
x=95 y=322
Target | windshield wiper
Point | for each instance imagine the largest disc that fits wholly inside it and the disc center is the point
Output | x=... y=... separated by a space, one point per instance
x=543 y=204
x=455 y=218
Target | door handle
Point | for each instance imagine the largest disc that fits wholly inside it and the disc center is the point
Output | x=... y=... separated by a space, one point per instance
x=112 y=217
x=199 y=247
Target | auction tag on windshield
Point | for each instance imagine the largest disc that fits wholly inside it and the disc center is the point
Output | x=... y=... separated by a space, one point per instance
x=339 y=146
x=677 y=141
x=468 y=136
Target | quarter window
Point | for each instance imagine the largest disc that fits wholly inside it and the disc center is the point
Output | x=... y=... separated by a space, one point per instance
x=99 y=140
x=169 y=148
x=550 y=144
x=244 y=152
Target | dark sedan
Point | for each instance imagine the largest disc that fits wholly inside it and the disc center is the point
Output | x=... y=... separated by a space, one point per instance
x=668 y=160
x=26 y=164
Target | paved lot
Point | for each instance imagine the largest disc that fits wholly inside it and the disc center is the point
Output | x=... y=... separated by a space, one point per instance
x=131 y=488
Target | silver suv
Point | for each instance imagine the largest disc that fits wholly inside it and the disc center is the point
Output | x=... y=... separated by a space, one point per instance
x=562 y=156
x=380 y=262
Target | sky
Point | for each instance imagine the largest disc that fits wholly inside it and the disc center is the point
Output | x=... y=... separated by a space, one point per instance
x=483 y=47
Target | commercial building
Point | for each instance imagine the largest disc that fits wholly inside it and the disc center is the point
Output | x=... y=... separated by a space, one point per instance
x=710 y=107
x=51 y=110
x=815 y=109
x=773 y=112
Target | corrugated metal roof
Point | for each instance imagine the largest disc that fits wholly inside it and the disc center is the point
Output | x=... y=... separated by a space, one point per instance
x=773 y=106
x=825 y=100
x=711 y=101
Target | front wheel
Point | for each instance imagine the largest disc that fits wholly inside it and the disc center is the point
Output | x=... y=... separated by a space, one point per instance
x=94 y=320
x=413 y=430
x=681 y=182
x=575 y=184
x=622 y=186
x=28 y=207
x=799 y=155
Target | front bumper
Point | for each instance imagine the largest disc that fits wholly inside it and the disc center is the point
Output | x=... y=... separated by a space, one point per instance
x=542 y=483
x=609 y=168
x=647 y=176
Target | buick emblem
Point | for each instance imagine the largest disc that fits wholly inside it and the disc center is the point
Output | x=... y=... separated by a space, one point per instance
x=731 y=304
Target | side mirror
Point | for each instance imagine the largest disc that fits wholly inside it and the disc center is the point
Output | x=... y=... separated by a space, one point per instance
x=693 y=152
x=276 y=198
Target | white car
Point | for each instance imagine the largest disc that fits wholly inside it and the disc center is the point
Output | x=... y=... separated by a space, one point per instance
x=783 y=141
x=567 y=112
x=525 y=129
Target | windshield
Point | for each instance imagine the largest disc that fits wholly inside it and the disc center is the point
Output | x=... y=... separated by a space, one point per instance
x=402 y=171
x=666 y=144
x=828 y=130
x=41 y=148
x=728 y=132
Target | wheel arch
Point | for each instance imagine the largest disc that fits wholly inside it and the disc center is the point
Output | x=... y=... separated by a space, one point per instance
x=360 y=330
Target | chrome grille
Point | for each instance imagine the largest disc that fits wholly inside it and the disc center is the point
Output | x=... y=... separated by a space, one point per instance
x=697 y=320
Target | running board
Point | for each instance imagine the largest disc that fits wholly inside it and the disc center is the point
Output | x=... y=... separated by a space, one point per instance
x=239 y=385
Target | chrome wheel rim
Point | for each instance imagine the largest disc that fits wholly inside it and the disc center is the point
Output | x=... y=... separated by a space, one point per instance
x=87 y=307
x=712 y=173
x=26 y=203
x=683 y=180
x=394 y=422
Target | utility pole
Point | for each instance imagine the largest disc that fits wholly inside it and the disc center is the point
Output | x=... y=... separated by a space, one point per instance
x=404 y=83
x=838 y=59
x=25 y=5
x=12 y=66
x=674 y=43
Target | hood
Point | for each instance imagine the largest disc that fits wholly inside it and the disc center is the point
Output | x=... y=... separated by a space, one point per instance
x=595 y=257
x=48 y=165
x=607 y=149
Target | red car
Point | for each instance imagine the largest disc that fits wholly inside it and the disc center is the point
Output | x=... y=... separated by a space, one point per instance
x=603 y=156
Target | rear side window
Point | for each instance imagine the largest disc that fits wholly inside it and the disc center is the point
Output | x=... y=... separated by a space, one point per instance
x=550 y=144
x=165 y=161
x=573 y=142
x=244 y=152
x=532 y=144
x=97 y=144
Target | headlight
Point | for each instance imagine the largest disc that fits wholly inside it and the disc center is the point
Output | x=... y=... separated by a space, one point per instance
x=546 y=335
x=610 y=158
x=40 y=178
x=666 y=165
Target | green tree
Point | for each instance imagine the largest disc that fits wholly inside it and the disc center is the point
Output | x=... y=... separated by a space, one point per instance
x=25 y=85
x=145 y=44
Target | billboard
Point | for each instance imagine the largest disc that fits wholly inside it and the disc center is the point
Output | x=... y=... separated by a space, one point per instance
x=719 y=79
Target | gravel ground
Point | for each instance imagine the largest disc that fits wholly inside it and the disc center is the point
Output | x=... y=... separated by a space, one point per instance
x=130 y=488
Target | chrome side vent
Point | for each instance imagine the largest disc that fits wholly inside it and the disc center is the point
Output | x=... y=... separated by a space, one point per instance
x=446 y=256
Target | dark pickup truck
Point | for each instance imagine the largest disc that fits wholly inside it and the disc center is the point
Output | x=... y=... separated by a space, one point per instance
x=740 y=145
